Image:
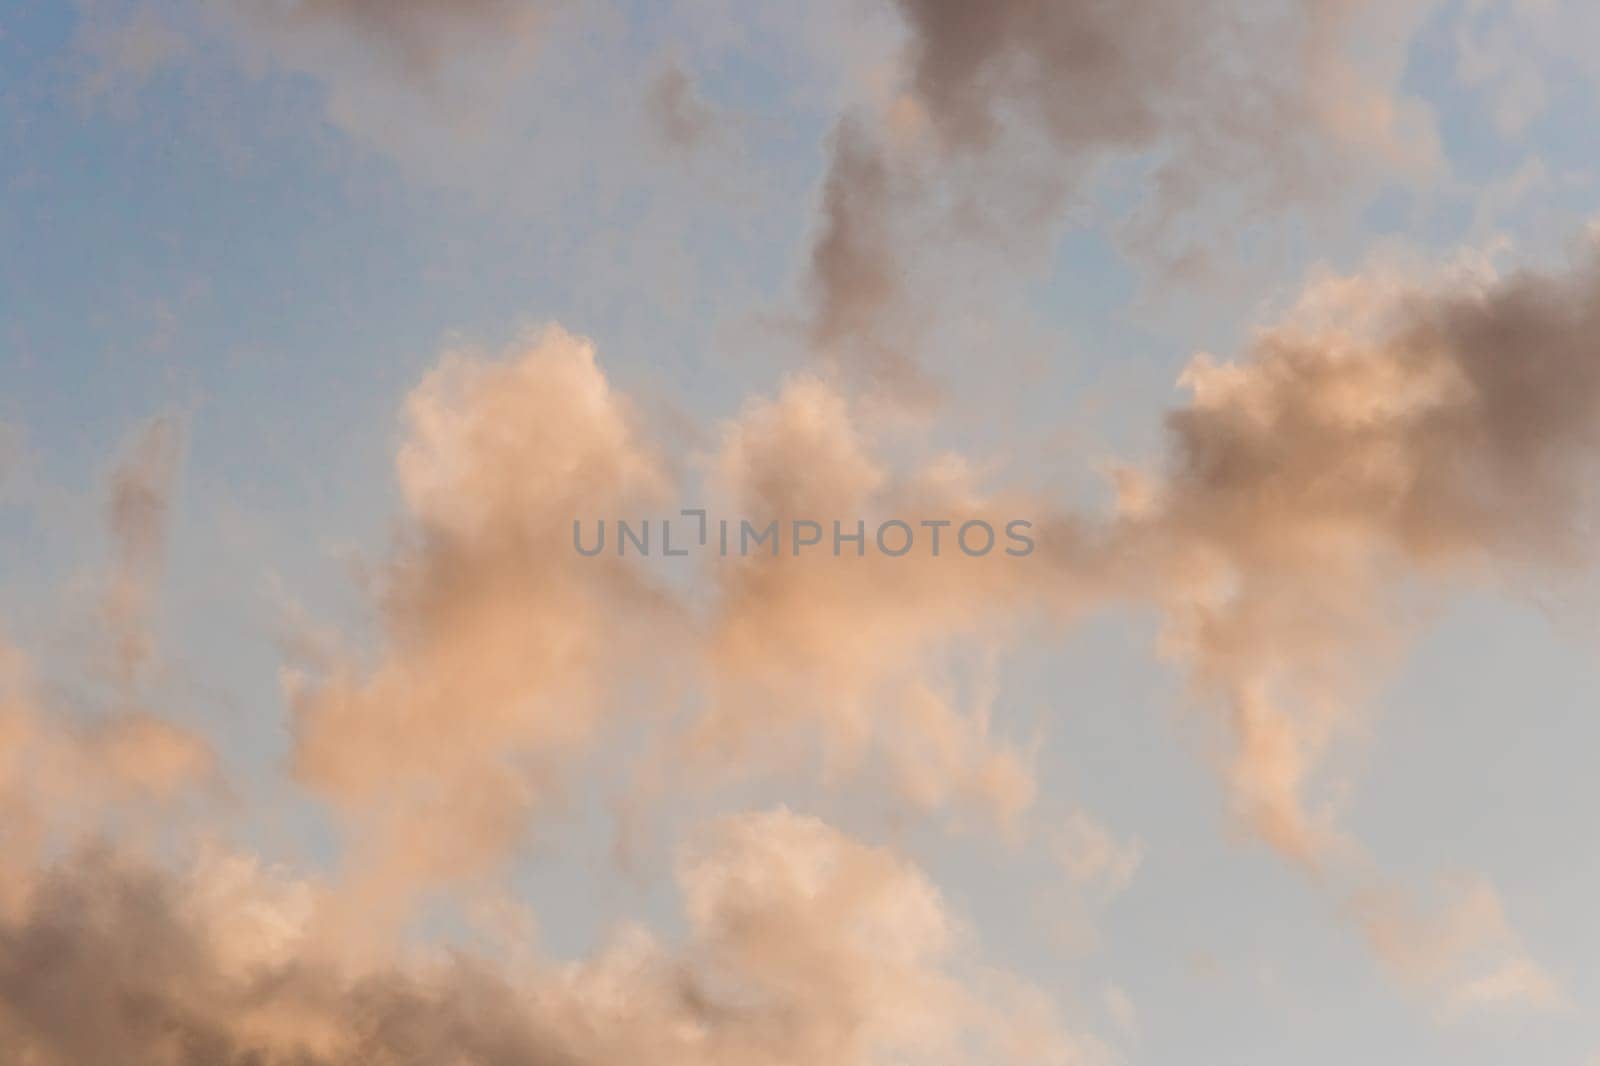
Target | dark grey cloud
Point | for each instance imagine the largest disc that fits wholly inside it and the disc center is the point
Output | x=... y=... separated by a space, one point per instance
x=1005 y=113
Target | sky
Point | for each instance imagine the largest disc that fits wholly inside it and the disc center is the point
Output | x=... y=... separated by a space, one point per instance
x=324 y=322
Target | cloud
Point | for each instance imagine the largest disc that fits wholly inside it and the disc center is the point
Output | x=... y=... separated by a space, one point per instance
x=855 y=277
x=803 y=945
x=1004 y=115
x=70 y=772
x=504 y=652
x=506 y=660
x=1388 y=438
x=1462 y=950
x=76 y=764
x=864 y=654
x=1385 y=436
x=1090 y=72
x=1095 y=76
x=1384 y=433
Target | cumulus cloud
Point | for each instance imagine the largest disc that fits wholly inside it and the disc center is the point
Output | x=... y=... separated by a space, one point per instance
x=504 y=653
x=865 y=653
x=812 y=925
x=1389 y=437
x=803 y=945
x=508 y=660
x=1384 y=433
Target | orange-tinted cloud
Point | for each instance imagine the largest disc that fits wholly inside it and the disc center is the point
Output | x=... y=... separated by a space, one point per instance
x=867 y=653
x=69 y=774
x=803 y=945
x=504 y=653
x=1384 y=437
